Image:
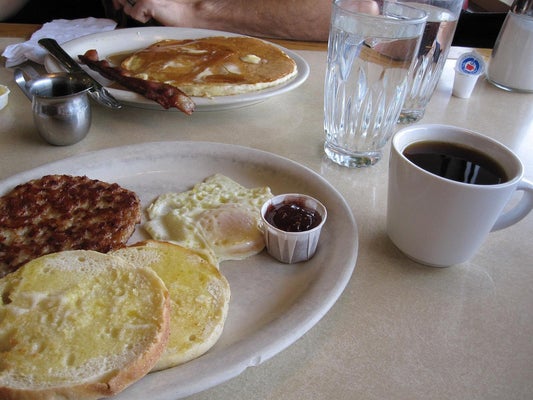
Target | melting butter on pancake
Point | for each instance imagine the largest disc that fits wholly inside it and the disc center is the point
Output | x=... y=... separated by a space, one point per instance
x=218 y=217
x=214 y=66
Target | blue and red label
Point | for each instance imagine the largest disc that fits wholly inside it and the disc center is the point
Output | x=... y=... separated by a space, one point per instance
x=471 y=64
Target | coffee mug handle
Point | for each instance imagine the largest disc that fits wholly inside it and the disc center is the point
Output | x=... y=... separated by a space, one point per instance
x=519 y=211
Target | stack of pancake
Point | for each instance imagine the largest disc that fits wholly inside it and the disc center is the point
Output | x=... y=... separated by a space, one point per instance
x=213 y=66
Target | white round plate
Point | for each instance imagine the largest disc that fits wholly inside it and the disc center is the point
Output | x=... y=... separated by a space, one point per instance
x=132 y=39
x=272 y=304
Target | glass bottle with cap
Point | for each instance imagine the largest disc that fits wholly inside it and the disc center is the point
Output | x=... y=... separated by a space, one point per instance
x=511 y=63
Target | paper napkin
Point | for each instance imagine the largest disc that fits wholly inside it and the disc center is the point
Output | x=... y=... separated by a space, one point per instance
x=62 y=30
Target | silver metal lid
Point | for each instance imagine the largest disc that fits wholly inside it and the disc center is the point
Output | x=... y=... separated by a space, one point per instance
x=523 y=7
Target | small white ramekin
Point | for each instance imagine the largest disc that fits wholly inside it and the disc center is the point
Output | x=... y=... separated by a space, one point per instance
x=292 y=247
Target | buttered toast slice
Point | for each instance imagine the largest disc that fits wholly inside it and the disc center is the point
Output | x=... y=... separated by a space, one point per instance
x=79 y=325
x=199 y=297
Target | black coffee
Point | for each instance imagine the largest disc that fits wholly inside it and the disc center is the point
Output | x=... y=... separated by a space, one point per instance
x=456 y=162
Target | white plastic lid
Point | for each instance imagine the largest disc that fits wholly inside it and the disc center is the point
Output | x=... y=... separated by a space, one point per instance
x=470 y=63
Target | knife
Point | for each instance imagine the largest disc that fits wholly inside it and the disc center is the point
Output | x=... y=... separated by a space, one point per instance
x=97 y=91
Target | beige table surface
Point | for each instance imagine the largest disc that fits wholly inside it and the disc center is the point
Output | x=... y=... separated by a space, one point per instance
x=400 y=330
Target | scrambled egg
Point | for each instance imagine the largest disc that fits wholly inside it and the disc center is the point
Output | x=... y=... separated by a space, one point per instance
x=217 y=216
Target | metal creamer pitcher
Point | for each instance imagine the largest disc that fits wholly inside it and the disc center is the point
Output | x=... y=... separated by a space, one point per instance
x=511 y=62
x=60 y=105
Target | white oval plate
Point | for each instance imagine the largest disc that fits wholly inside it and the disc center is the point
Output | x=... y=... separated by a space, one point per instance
x=132 y=39
x=272 y=304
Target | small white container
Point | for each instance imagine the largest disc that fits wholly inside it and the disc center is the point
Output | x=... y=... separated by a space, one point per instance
x=292 y=247
x=4 y=94
x=468 y=68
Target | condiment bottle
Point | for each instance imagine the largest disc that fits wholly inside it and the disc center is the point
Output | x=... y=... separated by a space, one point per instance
x=511 y=62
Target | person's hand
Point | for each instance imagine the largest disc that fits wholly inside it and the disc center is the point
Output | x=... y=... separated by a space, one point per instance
x=166 y=12
x=297 y=20
x=9 y=8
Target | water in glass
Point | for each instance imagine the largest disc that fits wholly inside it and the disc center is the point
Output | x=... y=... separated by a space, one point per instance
x=434 y=48
x=369 y=58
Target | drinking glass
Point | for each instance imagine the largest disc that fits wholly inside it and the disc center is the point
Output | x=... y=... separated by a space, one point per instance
x=372 y=45
x=436 y=41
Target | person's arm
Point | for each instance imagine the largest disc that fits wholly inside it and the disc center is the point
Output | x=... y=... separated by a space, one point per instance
x=8 y=8
x=285 y=19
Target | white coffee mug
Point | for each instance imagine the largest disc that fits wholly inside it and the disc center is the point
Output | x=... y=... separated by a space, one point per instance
x=441 y=222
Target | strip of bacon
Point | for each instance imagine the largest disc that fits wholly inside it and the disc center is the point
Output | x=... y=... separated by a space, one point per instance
x=163 y=93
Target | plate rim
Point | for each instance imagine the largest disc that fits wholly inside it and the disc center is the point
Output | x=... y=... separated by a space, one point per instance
x=245 y=353
x=159 y=33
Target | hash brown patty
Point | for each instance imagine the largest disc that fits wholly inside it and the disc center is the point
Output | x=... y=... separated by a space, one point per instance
x=63 y=212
